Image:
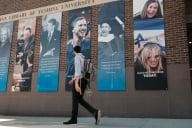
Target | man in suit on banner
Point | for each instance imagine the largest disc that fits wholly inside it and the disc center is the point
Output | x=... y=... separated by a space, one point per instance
x=50 y=39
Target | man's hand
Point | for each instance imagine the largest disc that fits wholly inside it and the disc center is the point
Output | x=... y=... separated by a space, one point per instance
x=17 y=76
x=49 y=52
x=19 y=55
x=70 y=82
x=77 y=88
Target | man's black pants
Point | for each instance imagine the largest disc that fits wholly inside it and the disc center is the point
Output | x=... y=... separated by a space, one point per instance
x=77 y=98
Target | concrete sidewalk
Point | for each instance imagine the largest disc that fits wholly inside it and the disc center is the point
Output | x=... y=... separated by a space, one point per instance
x=88 y=122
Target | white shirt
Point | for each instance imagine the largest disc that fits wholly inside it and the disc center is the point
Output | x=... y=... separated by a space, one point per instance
x=79 y=65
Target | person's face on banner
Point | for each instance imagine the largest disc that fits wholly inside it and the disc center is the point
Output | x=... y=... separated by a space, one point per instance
x=4 y=35
x=105 y=29
x=50 y=27
x=152 y=10
x=27 y=34
x=153 y=58
x=80 y=28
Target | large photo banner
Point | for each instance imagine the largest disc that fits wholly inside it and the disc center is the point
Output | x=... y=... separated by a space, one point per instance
x=5 y=45
x=22 y=75
x=48 y=71
x=78 y=34
x=149 y=45
x=111 y=58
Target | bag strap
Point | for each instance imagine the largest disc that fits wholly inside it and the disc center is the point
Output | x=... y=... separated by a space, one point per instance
x=87 y=63
x=80 y=87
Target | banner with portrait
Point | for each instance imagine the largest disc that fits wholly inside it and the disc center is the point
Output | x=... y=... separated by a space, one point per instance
x=111 y=58
x=149 y=45
x=79 y=30
x=5 y=46
x=22 y=74
x=48 y=71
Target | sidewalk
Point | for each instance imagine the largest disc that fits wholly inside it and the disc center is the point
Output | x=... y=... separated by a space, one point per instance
x=88 y=122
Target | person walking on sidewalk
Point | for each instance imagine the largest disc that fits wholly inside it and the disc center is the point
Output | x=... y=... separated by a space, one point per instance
x=78 y=87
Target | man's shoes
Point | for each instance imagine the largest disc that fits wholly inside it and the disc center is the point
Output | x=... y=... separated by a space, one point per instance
x=70 y=122
x=97 y=117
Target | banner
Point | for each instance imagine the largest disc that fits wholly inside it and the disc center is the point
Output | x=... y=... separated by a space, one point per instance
x=79 y=30
x=111 y=58
x=5 y=45
x=48 y=71
x=149 y=45
x=22 y=75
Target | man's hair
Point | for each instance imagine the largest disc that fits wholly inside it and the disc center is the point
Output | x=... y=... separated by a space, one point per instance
x=29 y=29
x=77 y=49
x=53 y=21
x=76 y=20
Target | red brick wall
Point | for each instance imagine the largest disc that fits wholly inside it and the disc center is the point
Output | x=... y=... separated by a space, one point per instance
x=175 y=32
x=133 y=103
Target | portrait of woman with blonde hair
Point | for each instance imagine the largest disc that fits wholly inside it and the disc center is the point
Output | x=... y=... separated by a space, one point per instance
x=150 y=69
x=151 y=57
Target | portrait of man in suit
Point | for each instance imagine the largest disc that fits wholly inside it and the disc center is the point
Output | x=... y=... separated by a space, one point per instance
x=5 y=41
x=50 y=39
x=48 y=69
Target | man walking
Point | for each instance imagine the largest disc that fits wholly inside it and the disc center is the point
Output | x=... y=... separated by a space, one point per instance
x=78 y=87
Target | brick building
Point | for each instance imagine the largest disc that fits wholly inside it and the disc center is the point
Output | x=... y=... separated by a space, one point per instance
x=176 y=101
